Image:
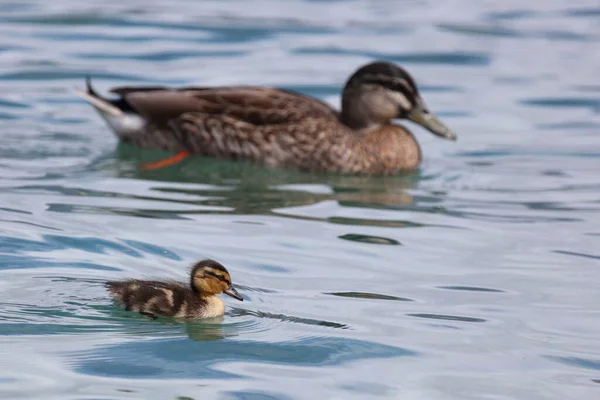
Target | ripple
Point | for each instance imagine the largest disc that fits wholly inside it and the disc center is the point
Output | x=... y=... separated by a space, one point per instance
x=11 y=245
x=255 y=395
x=583 y=12
x=369 y=388
x=448 y=317
x=223 y=29
x=569 y=125
x=355 y=237
x=480 y=30
x=288 y=318
x=471 y=289
x=152 y=249
x=58 y=242
x=110 y=37
x=159 y=56
x=539 y=153
x=42 y=329
x=574 y=102
x=128 y=212
x=32 y=224
x=9 y=262
x=14 y=104
x=511 y=14
x=5 y=116
x=358 y=221
x=44 y=74
x=449 y=58
x=14 y=210
x=574 y=253
x=515 y=219
x=66 y=19
x=15 y=6
x=71 y=317
x=504 y=32
x=372 y=296
x=579 y=362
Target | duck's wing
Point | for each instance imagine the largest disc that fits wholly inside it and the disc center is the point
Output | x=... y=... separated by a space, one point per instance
x=253 y=105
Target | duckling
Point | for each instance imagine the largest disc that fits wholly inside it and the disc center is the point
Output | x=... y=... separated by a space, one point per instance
x=279 y=128
x=174 y=299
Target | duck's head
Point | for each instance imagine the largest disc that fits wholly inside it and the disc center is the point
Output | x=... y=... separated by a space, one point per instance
x=381 y=91
x=210 y=277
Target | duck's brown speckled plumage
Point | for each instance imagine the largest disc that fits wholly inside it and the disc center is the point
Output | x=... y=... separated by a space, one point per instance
x=278 y=127
x=175 y=299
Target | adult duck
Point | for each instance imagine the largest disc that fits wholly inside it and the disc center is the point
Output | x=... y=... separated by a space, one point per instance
x=279 y=128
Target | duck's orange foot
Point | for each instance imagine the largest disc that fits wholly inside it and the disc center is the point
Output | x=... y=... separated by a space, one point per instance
x=167 y=162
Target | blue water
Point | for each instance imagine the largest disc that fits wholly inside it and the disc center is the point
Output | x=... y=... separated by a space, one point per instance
x=476 y=277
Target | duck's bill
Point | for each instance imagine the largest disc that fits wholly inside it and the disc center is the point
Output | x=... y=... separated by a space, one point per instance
x=230 y=291
x=427 y=120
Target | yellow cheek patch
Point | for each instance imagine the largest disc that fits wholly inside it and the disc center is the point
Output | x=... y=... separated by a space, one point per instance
x=216 y=285
x=210 y=285
x=201 y=284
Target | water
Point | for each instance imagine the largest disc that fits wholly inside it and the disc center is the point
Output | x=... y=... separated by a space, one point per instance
x=477 y=277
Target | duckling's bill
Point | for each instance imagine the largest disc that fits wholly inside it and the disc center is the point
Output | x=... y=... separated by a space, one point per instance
x=230 y=291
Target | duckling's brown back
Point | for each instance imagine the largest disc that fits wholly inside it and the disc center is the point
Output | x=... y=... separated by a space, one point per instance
x=152 y=297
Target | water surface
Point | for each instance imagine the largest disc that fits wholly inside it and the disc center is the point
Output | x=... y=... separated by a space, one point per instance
x=476 y=277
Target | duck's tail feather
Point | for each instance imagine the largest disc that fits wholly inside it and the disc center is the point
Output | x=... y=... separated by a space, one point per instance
x=100 y=103
x=89 y=87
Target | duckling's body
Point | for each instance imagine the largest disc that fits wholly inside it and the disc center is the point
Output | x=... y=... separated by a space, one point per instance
x=279 y=127
x=175 y=299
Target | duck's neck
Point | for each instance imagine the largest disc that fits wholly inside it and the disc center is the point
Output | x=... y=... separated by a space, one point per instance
x=357 y=122
x=357 y=117
x=366 y=110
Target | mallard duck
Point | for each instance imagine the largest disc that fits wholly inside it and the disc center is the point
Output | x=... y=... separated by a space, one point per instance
x=174 y=299
x=277 y=127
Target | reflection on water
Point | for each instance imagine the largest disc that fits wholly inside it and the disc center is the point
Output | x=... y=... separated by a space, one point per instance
x=199 y=358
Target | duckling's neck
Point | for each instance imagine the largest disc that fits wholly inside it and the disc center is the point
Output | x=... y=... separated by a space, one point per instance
x=213 y=306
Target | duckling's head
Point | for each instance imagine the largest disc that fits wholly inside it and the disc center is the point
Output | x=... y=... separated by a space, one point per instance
x=210 y=277
x=381 y=91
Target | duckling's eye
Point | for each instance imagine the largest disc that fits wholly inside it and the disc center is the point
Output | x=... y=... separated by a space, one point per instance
x=222 y=279
x=219 y=277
